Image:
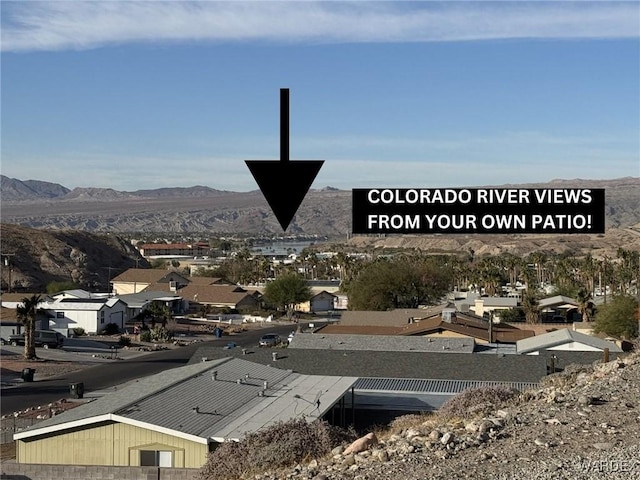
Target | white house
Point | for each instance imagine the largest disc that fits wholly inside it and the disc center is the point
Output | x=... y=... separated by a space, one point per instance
x=320 y=302
x=564 y=339
x=91 y=314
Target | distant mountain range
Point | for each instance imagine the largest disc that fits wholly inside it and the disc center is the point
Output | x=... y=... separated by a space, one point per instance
x=324 y=212
x=14 y=190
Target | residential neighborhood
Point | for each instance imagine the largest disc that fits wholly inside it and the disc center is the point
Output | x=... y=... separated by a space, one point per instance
x=349 y=367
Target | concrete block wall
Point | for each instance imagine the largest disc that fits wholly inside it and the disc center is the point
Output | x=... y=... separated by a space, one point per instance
x=26 y=471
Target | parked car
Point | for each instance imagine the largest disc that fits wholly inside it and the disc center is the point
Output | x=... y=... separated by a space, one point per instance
x=43 y=338
x=269 y=340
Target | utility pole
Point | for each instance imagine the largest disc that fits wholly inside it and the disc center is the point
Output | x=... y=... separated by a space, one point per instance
x=109 y=268
x=491 y=326
x=7 y=264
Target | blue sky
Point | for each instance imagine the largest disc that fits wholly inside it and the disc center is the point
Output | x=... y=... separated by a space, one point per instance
x=131 y=95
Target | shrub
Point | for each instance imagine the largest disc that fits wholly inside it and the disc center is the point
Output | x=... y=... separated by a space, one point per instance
x=124 y=341
x=477 y=402
x=405 y=422
x=145 y=335
x=78 y=332
x=160 y=334
x=283 y=444
x=111 y=329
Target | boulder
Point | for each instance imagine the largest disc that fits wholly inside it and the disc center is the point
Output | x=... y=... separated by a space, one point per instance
x=361 y=444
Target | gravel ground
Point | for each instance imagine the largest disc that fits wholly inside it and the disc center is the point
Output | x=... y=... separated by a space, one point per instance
x=583 y=423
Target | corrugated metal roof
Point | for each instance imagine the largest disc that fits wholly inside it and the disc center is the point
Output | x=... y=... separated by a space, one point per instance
x=130 y=394
x=435 y=386
x=304 y=396
x=190 y=400
x=216 y=400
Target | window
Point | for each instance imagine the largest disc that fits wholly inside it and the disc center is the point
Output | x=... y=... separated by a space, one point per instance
x=59 y=314
x=102 y=317
x=156 y=458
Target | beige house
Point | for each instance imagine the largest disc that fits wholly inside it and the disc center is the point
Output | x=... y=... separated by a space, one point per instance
x=136 y=280
x=174 y=418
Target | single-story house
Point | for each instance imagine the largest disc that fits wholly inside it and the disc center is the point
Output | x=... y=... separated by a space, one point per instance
x=392 y=383
x=220 y=296
x=175 y=418
x=90 y=314
x=322 y=301
x=139 y=302
x=438 y=322
x=9 y=322
x=559 y=309
x=564 y=339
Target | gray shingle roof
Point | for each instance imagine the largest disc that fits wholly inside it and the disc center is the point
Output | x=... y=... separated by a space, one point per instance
x=385 y=343
x=353 y=363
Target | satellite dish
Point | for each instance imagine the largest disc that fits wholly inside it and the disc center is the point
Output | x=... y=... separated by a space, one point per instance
x=316 y=401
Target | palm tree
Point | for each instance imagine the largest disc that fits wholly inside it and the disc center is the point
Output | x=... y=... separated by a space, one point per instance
x=531 y=307
x=27 y=313
x=586 y=306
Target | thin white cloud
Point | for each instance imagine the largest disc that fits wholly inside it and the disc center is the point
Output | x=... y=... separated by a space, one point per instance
x=64 y=25
x=359 y=162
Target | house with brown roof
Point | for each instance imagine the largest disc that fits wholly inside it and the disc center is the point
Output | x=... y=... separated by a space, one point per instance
x=438 y=322
x=451 y=323
x=136 y=280
x=220 y=296
x=390 y=318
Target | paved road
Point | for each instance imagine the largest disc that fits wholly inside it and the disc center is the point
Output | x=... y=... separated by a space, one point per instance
x=114 y=373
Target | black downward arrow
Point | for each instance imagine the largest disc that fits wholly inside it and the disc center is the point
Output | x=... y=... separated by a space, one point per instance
x=284 y=183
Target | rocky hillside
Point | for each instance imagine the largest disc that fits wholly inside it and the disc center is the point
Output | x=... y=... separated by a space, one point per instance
x=37 y=257
x=583 y=423
x=598 y=246
x=325 y=212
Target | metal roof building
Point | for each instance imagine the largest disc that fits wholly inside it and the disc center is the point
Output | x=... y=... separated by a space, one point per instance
x=181 y=410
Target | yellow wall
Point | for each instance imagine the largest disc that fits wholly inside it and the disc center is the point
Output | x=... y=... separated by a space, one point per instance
x=127 y=288
x=108 y=444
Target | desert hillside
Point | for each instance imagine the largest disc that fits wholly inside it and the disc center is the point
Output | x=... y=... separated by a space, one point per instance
x=39 y=256
x=325 y=212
